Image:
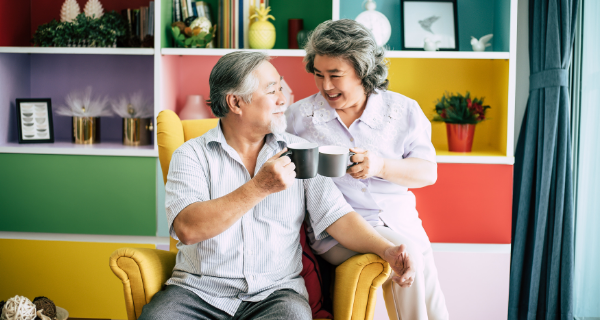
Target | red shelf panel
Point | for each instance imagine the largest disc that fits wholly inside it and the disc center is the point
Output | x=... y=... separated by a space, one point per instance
x=469 y=203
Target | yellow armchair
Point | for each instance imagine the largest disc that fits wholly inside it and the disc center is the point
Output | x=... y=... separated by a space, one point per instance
x=144 y=271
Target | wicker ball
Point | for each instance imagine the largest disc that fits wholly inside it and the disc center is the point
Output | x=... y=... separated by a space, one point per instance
x=18 y=308
x=47 y=305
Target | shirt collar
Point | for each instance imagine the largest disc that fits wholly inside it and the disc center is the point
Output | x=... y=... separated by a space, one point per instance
x=216 y=135
x=373 y=115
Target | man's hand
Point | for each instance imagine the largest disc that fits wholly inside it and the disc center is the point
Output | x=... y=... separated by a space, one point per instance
x=368 y=164
x=277 y=174
x=402 y=265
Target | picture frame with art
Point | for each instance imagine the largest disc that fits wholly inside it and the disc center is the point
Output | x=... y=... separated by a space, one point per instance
x=434 y=20
x=34 y=120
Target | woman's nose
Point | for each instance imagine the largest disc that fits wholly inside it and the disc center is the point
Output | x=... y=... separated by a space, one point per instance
x=327 y=84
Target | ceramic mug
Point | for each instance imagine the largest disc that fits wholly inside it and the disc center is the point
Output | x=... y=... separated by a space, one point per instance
x=306 y=158
x=333 y=161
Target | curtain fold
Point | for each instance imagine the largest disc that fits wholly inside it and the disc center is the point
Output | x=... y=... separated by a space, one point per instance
x=541 y=274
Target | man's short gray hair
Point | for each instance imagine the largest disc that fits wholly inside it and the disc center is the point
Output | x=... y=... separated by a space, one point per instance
x=353 y=42
x=234 y=74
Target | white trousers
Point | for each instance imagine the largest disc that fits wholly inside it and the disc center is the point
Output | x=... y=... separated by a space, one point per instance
x=424 y=299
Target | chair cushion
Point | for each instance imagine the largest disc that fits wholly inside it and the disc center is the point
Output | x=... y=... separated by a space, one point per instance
x=312 y=279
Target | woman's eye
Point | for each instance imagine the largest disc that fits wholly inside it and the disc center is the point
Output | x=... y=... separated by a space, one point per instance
x=272 y=92
x=280 y=88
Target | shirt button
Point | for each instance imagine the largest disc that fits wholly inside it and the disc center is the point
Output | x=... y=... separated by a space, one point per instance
x=363 y=189
x=380 y=211
x=351 y=139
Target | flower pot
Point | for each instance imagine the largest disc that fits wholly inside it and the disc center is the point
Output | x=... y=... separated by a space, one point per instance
x=460 y=137
x=86 y=130
x=137 y=132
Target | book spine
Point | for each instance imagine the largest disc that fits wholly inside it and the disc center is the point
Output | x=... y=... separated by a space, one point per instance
x=190 y=9
x=246 y=23
x=184 y=12
x=178 y=10
x=151 y=19
x=241 y=24
x=195 y=9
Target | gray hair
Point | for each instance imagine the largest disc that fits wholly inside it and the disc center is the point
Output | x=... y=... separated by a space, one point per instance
x=353 y=42
x=234 y=74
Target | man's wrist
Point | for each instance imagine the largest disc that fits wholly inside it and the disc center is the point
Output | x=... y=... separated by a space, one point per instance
x=256 y=189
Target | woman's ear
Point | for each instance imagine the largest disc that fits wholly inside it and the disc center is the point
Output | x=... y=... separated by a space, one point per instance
x=233 y=103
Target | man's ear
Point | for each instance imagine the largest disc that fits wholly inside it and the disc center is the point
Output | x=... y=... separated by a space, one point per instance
x=233 y=103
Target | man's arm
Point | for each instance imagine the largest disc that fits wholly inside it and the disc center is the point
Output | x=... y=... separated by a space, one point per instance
x=206 y=219
x=354 y=233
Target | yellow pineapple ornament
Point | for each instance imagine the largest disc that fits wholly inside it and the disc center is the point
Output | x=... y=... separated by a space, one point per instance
x=261 y=34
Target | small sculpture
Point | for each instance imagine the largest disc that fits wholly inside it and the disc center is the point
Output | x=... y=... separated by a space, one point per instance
x=93 y=9
x=481 y=44
x=261 y=34
x=377 y=22
x=431 y=45
x=69 y=11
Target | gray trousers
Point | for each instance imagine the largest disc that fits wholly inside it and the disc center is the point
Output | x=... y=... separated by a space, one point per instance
x=178 y=303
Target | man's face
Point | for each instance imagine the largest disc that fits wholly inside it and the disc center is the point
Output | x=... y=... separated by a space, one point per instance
x=265 y=112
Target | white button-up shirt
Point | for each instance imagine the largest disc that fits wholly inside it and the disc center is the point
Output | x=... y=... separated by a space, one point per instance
x=391 y=126
x=259 y=253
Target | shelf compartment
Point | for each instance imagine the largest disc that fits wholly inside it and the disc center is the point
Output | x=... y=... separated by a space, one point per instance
x=98 y=149
x=475 y=18
x=426 y=80
x=72 y=50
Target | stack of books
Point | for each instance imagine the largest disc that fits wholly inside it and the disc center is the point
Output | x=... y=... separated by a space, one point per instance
x=140 y=26
x=232 y=23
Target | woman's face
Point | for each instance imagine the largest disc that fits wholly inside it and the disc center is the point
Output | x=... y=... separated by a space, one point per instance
x=338 y=82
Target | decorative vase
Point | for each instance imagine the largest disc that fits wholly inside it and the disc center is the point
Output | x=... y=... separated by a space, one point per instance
x=194 y=108
x=460 y=137
x=261 y=34
x=137 y=131
x=294 y=26
x=86 y=130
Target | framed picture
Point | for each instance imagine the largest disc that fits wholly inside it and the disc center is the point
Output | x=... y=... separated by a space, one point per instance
x=435 y=20
x=34 y=118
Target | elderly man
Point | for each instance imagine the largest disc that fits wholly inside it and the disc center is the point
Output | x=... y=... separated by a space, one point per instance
x=237 y=209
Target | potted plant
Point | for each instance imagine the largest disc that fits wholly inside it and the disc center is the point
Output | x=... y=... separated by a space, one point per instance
x=461 y=114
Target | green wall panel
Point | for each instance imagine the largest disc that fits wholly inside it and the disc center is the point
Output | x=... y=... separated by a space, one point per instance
x=312 y=12
x=78 y=194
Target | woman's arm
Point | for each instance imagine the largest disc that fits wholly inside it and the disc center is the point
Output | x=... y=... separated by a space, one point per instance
x=408 y=172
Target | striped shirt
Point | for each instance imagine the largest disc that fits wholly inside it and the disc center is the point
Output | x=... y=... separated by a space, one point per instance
x=259 y=253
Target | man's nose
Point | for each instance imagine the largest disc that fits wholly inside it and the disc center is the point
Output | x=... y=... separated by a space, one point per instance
x=281 y=98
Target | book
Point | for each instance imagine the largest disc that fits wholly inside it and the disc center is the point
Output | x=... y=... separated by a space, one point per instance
x=135 y=22
x=151 y=19
x=189 y=8
x=194 y=9
x=184 y=12
x=126 y=13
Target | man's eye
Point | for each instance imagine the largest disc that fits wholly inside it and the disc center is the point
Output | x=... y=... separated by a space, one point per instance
x=319 y=75
x=272 y=92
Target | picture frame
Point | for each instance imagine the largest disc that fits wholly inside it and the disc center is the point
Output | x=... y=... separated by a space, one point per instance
x=34 y=120
x=433 y=19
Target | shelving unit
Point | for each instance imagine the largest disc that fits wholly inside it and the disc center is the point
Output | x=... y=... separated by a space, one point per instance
x=470 y=203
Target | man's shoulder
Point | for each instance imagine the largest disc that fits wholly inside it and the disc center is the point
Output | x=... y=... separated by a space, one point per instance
x=196 y=145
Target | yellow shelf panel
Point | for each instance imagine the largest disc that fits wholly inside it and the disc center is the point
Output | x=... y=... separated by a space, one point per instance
x=426 y=80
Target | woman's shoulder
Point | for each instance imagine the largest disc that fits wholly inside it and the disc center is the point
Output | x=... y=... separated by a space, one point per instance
x=395 y=98
x=305 y=105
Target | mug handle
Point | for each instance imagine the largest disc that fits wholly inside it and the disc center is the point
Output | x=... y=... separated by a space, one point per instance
x=287 y=153
x=350 y=154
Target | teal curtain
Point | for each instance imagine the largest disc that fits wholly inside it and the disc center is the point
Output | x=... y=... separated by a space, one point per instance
x=541 y=273
x=587 y=231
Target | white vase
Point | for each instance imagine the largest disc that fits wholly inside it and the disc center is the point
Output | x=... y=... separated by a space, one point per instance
x=194 y=108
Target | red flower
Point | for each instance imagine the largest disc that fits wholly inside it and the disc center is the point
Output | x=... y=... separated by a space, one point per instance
x=469 y=103
x=443 y=114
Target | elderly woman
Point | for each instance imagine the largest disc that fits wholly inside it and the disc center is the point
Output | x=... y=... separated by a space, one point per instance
x=392 y=140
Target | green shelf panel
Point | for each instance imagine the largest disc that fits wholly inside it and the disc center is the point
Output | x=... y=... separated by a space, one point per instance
x=78 y=194
x=475 y=18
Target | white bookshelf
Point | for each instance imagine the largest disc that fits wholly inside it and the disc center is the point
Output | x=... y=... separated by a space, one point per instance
x=98 y=149
x=70 y=50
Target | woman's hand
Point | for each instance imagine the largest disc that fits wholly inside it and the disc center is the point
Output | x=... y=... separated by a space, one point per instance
x=368 y=165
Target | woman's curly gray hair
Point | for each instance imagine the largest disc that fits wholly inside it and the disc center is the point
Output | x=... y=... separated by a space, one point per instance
x=352 y=41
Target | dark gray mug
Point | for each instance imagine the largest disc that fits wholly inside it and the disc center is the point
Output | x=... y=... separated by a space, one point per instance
x=306 y=158
x=333 y=161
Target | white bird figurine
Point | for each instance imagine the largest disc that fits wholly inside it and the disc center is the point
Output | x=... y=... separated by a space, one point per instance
x=431 y=45
x=481 y=44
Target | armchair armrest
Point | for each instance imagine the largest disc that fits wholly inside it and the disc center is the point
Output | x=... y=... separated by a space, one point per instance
x=143 y=272
x=356 y=283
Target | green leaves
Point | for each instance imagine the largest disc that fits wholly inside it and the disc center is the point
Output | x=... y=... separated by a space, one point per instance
x=459 y=109
x=101 y=32
x=201 y=40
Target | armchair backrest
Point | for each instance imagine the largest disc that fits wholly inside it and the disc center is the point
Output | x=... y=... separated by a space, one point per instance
x=171 y=133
